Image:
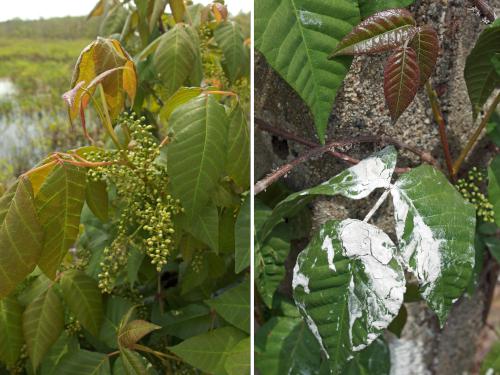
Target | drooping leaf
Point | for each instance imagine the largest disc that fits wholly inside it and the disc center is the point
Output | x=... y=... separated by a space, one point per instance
x=480 y=74
x=356 y=182
x=286 y=346
x=238 y=360
x=435 y=227
x=134 y=331
x=426 y=45
x=209 y=351
x=20 y=236
x=11 y=337
x=296 y=36
x=401 y=80
x=234 y=306
x=83 y=362
x=196 y=154
x=114 y=20
x=205 y=227
x=43 y=323
x=96 y=197
x=348 y=287
x=174 y=58
x=242 y=237
x=491 y=364
x=270 y=262
x=369 y=7
x=380 y=32
x=230 y=40
x=375 y=359
x=59 y=205
x=83 y=297
x=238 y=150
x=494 y=187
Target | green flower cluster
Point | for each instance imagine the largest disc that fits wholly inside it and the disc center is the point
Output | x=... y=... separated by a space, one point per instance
x=73 y=327
x=470 y=188
x=146 y=208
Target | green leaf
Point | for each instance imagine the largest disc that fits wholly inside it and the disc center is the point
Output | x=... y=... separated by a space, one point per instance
x=493 y=128
x=435 y=227
x=181 y=96
x=491 y=364
x=83 y=362
x=242 y=237
x=178 y=9
x=375 y=359
x=286 y=346
x=59 y=205
x=186 y=322
x=43 y=323
x=21 y=236
x=369 y=7
x=234 y=306
x=84 y=299
x=64 y=345
x=494 y=187
x=356 y=182
x=196 y=156
x=480 y=74
x=380 y=32
x=426 y=44
x=399 y=322
x=116 y=308
x=205 y=227
x=238 y=152
x=401 y=80
x=230 y=40
x=131 y=362
x=270 y=262
x=11 y=339
x=209 y=351
x=174 y=58
x=96 y=197
x=238 y=360
x=296 y=36
x=134 y=331
x=348 y=287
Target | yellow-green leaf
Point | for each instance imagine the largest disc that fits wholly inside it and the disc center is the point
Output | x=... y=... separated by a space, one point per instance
x=135 y=331
x=11 y=337
x=178 y=9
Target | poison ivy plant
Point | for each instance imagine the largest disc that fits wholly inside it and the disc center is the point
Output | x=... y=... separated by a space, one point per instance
x=131 y=254
x=349 y=282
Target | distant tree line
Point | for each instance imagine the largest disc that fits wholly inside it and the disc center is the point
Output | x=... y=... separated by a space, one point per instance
x=53 y=28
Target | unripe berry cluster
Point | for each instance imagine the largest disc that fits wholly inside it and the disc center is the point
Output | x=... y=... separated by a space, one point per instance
x=470 y=188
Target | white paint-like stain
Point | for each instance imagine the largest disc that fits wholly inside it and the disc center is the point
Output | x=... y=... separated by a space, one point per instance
x=309 y=19
x=330 y=252
x=407 y=357
x=312 y=327
x=299 y=279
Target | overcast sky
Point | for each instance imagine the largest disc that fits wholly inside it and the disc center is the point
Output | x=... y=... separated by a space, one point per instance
x=34 y=9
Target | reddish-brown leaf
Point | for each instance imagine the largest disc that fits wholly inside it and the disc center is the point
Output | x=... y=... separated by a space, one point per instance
x=426 y=45
x=380 y=32
x=401 y=80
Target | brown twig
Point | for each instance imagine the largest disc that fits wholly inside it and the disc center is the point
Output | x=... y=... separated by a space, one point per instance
x=438 y=116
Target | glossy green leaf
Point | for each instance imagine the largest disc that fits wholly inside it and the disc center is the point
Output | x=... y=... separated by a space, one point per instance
x=230 y=40
x=238 y=152
x=270 y=262
x=401 y=80
x=348 y=287
x=59 y=205
x=435 y=227
x=286 y=346
x=43 y=323
x=96 y=196
x=205 y=227
x=356 y=182
x=20 y=236
x=480 y=74
x=11 y=337
x=369 y=7
x=83 y=362
x=375 y=359
x=196 y=156
x=134 y=331
x=209 y=351
x=234 y=306
x=380 y=32
x=426 y=45
x=238 y=360
x=174 y=58
x=296 y=36
x=242 y=237
x=494 y=187
x=84 y=299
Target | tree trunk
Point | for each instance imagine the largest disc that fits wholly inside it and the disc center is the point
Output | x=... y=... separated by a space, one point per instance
x=360 y=110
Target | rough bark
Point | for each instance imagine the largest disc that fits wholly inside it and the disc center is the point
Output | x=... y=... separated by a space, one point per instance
x=360 y=109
